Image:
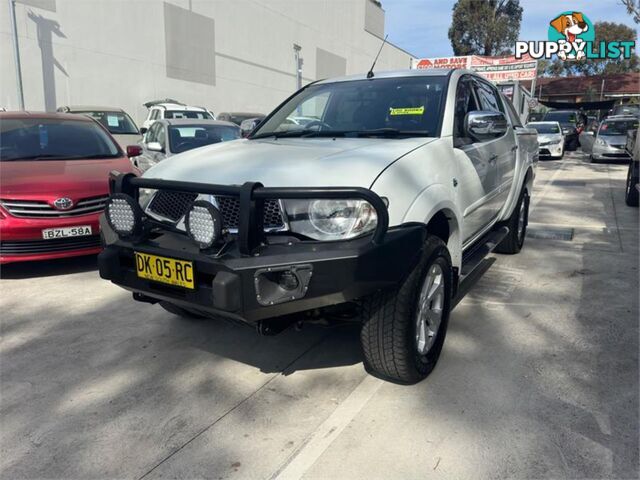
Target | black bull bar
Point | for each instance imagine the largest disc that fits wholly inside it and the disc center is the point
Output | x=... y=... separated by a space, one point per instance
x=252 y=196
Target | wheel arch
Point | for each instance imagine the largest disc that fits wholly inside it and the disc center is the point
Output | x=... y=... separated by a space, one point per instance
x=435 y=208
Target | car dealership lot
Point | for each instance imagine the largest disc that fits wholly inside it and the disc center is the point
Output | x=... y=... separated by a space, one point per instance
x=538 y=377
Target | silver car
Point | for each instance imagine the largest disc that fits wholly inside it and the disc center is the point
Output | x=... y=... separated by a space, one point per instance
x=168 y=137
x=608 y=141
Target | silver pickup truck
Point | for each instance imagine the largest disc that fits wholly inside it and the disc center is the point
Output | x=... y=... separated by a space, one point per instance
x=377 y=209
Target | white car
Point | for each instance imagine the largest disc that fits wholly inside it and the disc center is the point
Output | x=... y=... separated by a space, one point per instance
x=378 y=210
x=550 y=138
x=168 y=108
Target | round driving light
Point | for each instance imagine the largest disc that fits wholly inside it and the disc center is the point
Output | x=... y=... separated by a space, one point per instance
x=123 y=215
x=203 y=223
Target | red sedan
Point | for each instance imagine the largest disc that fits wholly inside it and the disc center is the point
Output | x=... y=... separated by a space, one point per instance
x=54 y=172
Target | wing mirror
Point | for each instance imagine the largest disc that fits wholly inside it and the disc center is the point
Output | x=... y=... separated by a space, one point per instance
x=155 y=147
x=143 y=130
x=482 y=125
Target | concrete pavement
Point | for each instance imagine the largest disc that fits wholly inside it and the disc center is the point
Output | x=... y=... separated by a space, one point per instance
x=538 y=377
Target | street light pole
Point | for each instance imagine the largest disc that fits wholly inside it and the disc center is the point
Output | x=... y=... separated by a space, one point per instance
x=16 y=53
x=296 y=55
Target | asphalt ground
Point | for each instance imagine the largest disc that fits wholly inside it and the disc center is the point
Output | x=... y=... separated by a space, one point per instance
x=538 y=377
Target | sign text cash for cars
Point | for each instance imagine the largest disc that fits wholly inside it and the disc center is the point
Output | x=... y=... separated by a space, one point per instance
x=571 y=36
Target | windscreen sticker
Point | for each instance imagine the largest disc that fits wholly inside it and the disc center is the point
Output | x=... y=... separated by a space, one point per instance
x=407 y=111
x=112 y=121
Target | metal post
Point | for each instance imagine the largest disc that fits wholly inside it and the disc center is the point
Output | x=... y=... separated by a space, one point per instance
x=602 y=89
x=16 y=52
x=296 y=55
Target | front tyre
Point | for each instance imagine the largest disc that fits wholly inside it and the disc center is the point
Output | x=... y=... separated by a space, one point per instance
x=517 y=224
x=404 y=329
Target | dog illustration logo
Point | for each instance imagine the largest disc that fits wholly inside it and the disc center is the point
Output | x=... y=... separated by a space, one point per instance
x=574 y=28
x=571 y=36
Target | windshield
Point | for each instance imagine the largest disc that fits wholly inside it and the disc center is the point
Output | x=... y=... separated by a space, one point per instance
x=617 y=127
x=118 y=123
x=564 y=118
x=409 y=106
x=545 y=127
x=187 y=114
x=53 y=139
x=183 y=138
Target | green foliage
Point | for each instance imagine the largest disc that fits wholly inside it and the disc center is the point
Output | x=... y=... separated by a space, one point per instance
x=633 y=8
x=605 y=31
x=485 y=27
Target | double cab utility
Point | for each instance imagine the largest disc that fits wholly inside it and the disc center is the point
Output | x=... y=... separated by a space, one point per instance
x=377 y=210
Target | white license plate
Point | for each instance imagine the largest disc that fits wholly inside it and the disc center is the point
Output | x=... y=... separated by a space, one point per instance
x=66 y=232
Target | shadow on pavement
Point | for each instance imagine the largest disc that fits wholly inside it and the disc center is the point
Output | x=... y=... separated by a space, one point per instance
x=48 y=268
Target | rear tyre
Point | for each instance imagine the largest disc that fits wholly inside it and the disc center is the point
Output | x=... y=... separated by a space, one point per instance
x=517 y=224
x=631 y=192
x=404 y=329
x=179 y=311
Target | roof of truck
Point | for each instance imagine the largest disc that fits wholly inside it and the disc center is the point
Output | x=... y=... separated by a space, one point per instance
x=423 y=72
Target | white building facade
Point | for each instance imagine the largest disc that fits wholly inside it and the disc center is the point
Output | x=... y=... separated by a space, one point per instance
x=224 y=55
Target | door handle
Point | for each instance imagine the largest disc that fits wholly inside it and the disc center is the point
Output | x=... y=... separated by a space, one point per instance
x=493 y=159
x=514 y=148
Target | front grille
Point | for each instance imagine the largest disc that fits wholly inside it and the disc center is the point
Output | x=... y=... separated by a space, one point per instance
x=174 y=205
x=616 y=155
x=40 y=209
x=171 y=205
x=48 y=246
x=230 y=210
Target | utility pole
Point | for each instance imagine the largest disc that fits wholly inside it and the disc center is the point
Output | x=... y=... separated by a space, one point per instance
x=16 y=52
x=299 y=62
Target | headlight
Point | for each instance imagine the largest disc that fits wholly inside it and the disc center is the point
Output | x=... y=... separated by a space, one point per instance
x=145 y=195
x=601 y=142
x=123 y=215
x=331 y=219
x=203 y=223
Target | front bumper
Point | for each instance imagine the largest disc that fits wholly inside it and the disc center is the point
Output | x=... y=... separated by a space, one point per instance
x=554 y=150
x=607 y=152
x=244 y=278
x=228 y=284
x=21 y=238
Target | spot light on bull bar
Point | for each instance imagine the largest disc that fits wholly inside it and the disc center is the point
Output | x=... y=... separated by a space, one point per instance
x=124 y=215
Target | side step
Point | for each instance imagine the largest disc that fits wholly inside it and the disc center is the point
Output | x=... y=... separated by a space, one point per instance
x=483 y=247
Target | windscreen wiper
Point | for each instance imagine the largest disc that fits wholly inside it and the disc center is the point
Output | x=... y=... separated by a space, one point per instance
x=282 y=134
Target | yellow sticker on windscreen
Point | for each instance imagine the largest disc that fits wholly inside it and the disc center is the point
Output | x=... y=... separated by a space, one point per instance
x=407 y=111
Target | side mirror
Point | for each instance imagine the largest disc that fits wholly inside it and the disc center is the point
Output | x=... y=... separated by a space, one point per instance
x=483 y=125
x=134 y=151
x=155 y=147
x=143 y=130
